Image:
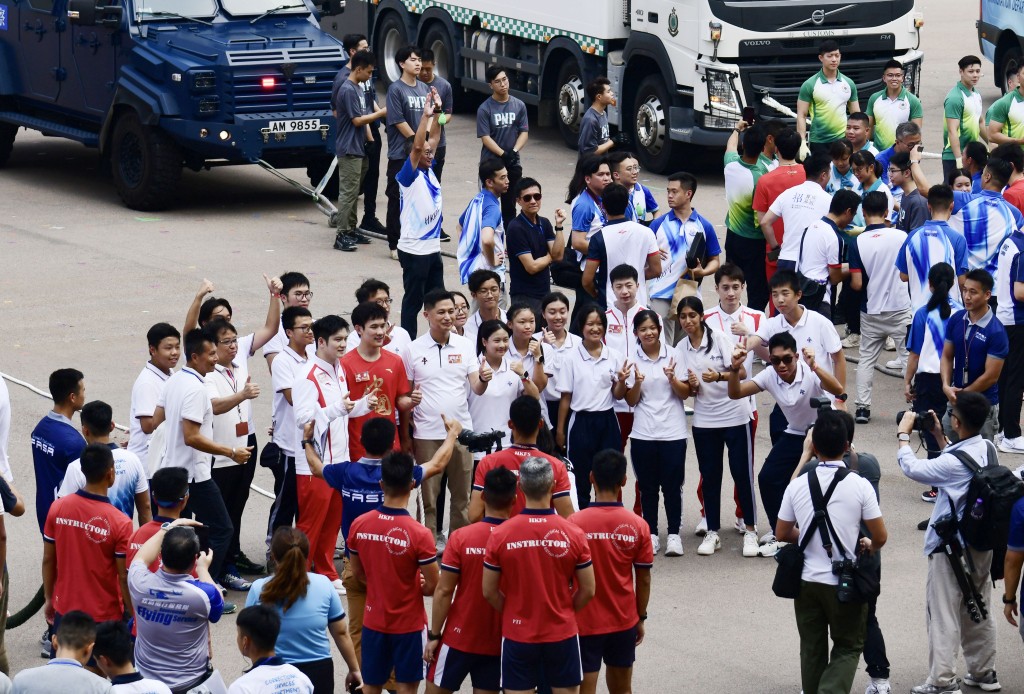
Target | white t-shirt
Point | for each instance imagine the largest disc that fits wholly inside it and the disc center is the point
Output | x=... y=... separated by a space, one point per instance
x=589 y=379
x=874 y=254
x=794 y=398
x=149 y=385
x=141 y=686
x=659 y=414
x=185 y=397
x=222 y=384
x=129 y=479
x=820 y=252
x=799 y=207
x=852 y=501
x=712 y=406
x=396 y=342
x=441 y=372
x=554 y=362
x=286 y=365
x=529 y=362
x=490 y=410
x=267 y=679
x=722 y=322
x=627 y=243
x=812 y=330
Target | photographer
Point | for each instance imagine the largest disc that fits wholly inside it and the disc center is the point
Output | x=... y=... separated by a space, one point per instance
x=949 y=627
x=820 y=613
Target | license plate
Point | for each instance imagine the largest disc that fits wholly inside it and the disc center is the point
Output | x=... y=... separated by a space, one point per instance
x=295 y=126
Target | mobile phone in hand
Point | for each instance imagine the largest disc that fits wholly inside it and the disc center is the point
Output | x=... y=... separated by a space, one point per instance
x=203 y=533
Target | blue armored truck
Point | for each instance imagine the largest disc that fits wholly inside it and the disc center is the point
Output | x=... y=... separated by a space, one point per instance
x=159 y=85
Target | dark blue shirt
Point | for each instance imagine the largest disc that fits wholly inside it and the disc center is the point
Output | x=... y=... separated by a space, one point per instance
x=973 y=343
x=56 y=443
x=524 y=237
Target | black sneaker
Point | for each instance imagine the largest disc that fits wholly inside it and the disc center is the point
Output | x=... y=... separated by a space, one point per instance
x=863 y=415
x=923 y=525
x=929 y=496
x=248 y=566
x=373 y=225
x=360 y=238
x=445 y=238
x=343 y=242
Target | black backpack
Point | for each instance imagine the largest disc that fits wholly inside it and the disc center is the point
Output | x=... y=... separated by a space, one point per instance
x=988 y=504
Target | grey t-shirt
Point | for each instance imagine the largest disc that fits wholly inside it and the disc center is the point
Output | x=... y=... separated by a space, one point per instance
x=59 y=675
x=351 y=103
x=405 y=105
x=502 y=122
x=593 y=130
x=913 y=211
x=444 y=90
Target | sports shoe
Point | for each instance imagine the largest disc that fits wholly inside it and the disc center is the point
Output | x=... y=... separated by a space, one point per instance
x=928 y=496
x=344 y=242
x=710 y=544
x=851 y=341
x=750 y=546
x=339 y=586
x=740 y=526
x=702 y=527
x=769 y=547
x=878 y=686
x=926 y=688
x=229 y=608
x=373 y=225
x=688 y=410
x=923 y=525
x=895 y=365
x=674 y=546
x=222 y=589
x=248 y=566
x=442 y=542
x=445 y=238
x=360 y=238
x=863 y=415
x=44 y=644
x=394 y=254
x=235 y=582
x=655 y=544
x=988 y=683
x=890 y=344
x=1012 y=445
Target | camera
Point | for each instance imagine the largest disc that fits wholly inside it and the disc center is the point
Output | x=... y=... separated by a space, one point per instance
x=946 y=527
x=481 y=442
x=844 y=570
x=820 y=403
x=923 y=422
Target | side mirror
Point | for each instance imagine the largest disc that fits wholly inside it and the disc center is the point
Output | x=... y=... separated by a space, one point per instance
x=330 y=8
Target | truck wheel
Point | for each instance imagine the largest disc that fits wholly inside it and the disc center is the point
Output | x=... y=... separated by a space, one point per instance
x=390 y=39
x=7 y=135
x=146 y=164
x=570 y=102
x=654 y=147
x=1010 y=56
x=440 y=42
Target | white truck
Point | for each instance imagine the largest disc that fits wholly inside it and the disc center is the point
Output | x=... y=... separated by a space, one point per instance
x=682 y=70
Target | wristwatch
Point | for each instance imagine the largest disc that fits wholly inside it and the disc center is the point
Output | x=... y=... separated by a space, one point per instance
x=433 y=637
x=1010 y=601
x=166 y=526
x=540 y=359
x=308 y=442
x=902 y=436
x=842 y=397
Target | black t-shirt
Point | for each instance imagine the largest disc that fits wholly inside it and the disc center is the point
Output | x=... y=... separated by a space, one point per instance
x=523 y=236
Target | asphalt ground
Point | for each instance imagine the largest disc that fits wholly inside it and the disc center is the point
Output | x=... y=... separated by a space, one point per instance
x=82 y=278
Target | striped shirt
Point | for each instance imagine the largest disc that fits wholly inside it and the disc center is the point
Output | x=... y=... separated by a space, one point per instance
x=484 y=211
x=1009 y=270
x=927 y=337
x=420 y=210
x=588 y=215
x=933 y=243
x=674 y=236
x=986 y=221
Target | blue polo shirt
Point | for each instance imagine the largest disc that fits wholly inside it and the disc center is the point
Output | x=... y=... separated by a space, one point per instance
x=56 y=442
x=1015 y=542
x=524 y=237
x=973 y=343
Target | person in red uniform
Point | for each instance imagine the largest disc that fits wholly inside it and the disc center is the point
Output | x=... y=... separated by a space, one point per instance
x=395 y=556
x=532 y=563
x=470 y=643
x=612 y=624
x=525 y=422
x=168 y=492
x=85 y=539
x=369 y=366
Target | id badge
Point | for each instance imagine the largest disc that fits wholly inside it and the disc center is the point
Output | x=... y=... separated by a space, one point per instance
x=966 y=379
x=242 y=430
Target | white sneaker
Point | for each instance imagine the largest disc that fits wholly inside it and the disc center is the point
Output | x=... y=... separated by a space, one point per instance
x=394 y=255
x=851 y=341
x=674 y=546
x=890 y=345
x=710 y=544
x=339 y=586
x=656 y=544
x=442 y=542
x=1012 y=445
x=750 y=545
x=740 y=526
x=894 y=365
x=878 y=686
x=702 y=527
x=769 y=547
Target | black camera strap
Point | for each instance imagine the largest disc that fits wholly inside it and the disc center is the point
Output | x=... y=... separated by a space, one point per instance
x=820 y=503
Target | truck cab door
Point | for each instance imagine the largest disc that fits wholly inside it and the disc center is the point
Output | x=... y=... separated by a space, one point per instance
x=91 y=59
x=40 y=23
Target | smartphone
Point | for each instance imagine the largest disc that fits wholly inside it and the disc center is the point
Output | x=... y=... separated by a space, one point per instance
x=355 y=689
x=749 y=115
x=203 y=533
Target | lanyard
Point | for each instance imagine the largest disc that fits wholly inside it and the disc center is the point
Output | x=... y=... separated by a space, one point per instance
x=972 y=328
x=598 y=204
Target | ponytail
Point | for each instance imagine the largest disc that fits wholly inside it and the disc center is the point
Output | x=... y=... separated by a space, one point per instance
x=941 y=278
x=290 y=549
x=697 y=306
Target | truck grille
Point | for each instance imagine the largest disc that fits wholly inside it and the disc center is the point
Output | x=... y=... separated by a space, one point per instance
x=276 y=56
x=309 y=89
x=783 y=83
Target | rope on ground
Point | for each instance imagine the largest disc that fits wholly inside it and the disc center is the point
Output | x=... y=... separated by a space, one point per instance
x=26 y=613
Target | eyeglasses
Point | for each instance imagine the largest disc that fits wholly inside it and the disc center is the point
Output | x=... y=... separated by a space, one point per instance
x=462 y=309
x=384 y=302
x=488 y=291
x=633 y=169
x=500 y=80
x=303 y=328
x=228 y=343
x=302 y=295
x=531 y=197
x=894 y=76
x=786 y=359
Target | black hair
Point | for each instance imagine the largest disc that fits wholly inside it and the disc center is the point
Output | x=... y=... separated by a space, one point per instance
x=875 y=203
x=218 y=325
x=291 y=280
x=194 y=341
x=615 y=199
x=840 y=149
x=731 y=271
x=901 y=160
x=845 y=200
x=596 y=87
x=754 y=138
x=478 y=277
x=783 y=340
x=98 y=416
x=552 y=297
x=892 y=64
x=783 y=279
x=325 y=327
x=787 y=142
x=525 y=183
x=114 y=642
x=64 y=383
x=291 y=314
x=77 y=630
x=500 y=487
x=772 y=127
x=971 y=409
x=361 y=59
x=609 y=470
x=96 y=461
x=161 y=331
x=368 y=311
x=982 y=277
x=588 y=165
x=617 y=157
x=828 y=46
x=426 y=55
x=406 y=52
x=849 y=422
x=396 y=471
x=492 y=72
x=486 y=329
x=940 y=197
x=488 y=169
x=369 y=287
x=351 y=41
x=1008 y=151
x=815 y=165
x=377 y=436
x=859 y=116
x=525 y=414
x=211 y=305
x=697 y=306
x=517 y=308
x=686 y=180
x=625 y=271
x=169 y=486
x=941 y=277
x=967 y=61
x=829 y=435
x=643 y=316
x=978 y=152
x=179 y=548
x=436 y=296
x=261 y=624
x=866 y=159
x=584 y=315
x=1000 y=170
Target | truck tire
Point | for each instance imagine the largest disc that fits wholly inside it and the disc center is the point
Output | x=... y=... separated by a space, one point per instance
x=441 y=43
x=570 y=101
x=654 y=147
x=390 y=39
x=7 y=135
x=145 y=163
x=1011 y=55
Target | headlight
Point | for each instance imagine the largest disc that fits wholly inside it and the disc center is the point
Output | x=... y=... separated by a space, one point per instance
x=721 y=94
x=912 y=76
x=201 y=80
x=209 y=104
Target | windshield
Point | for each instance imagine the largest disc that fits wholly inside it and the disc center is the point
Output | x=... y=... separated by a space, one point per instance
x=186 y=8
x=257 y=7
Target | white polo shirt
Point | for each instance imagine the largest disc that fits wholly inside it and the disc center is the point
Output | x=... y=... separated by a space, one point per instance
x=874 y=254
x=589 y=379
x=473 y=324
x=553 y=360
x=627 y=243
x=799 y=207
x=319 y=390
x=490 y=410
x=722 y=322
x=185 y=397
x=396 y=341
x=278 y=342
x=287 y=364
x=620 y=338
x=272 y=678
x=441 y=372
x=712 y=406
x=529 y=362
x=659 y=414
x=794 y=398
x=852 y=501
x=812 y=330
x=820 y=252
x=223 y=383
x=149 y=386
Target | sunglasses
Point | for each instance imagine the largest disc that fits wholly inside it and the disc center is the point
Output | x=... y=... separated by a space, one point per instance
x=531 y=197
x=786 y=359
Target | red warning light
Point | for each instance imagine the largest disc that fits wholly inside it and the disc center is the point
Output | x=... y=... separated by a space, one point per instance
x=268 y=82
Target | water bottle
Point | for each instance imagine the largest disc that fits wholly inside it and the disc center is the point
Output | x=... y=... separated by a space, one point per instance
x=977 y=509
